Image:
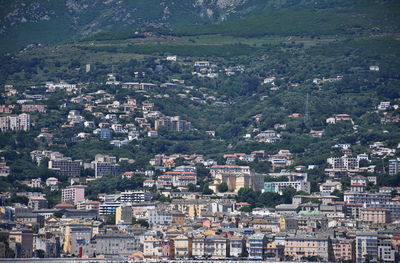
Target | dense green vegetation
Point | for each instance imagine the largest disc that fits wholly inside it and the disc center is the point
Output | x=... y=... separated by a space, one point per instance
x=334 y=38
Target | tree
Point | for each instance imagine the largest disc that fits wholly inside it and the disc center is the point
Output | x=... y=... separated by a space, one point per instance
x=40 y=253
x=244 y=253
x=222 y=188
x=288 y=194
x=110 y=219
x=312 y=258
x=192 y=188
x=207 y=190
x=339 y=194
x=246 y=209
x=59 y=214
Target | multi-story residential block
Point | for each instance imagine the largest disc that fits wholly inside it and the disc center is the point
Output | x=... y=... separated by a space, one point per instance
x=344 y=163
x=6 y=108
x=66 y=166
x=177 y=179
x=114 y=244
x=229 y=169
x=275 y=251
x=38 y=202
x=386 y=251
x=367 y=198
x=394 y=166
x=123 y=215
x=330 y=186
x=183 y=246
x=88 y=205
x=73 y=194
x=105 y=133
x=105 y=165
x=52 y=87
x=157 y=217
x=168 y=249
x=22 y=241
x=236 y=177
x=135 y=196
x=149 y=183
x=269 y=136
x=353 y=210
x=76 y=238
x=237 y=246
x=211 y=246
x=375 y=215
x=173 y=124
x=108 y=208
x=153 y=247
x=33 y=108
x=279 y=187
x=344 y=249
x=372 y=247
x=308 y=246
x=21 y=122
x=366 y=246
x=256 y=246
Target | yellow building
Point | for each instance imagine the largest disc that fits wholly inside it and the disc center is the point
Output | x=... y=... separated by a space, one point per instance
x=178 y=218
x=191 y=208
x=152 y=247
x=123 y=215
x=287 y=223
x=183 y=246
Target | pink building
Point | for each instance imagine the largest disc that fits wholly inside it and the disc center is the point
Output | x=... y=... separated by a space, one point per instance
x=168 y=249
x=343 y=249
x=33 y=108
x=73 y=194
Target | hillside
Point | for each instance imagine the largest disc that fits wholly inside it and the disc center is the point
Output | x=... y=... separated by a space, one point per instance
x=25 y=22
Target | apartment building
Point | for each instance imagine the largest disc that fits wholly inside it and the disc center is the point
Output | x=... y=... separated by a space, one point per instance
x=394 y=166
x=343 y=249
x=159 y=217
x=212 y=246
x=105 y=165
x=183 y=246
x=256 y=246
x=330 y=186
x=135 y=196
x=229 y=169
x=33 y=108
x=20 y=122
x=173 y=124
x=22 y=240
x=237 y=246
x=279 y=187
x=177 y=179
x=66 y=166
x=236 y=177
x=344 y=163
x=108 y=208
x=73 y=194
x=152 y=247
x=114 y=244
x=307 y=246
x=123 y=215
x=366 y=244
x=375 y=215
